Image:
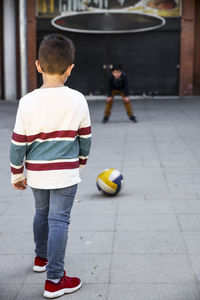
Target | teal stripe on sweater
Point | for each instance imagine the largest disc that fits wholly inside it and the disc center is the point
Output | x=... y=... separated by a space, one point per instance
x=17 y=154
x=85 y=144
x=51 y=150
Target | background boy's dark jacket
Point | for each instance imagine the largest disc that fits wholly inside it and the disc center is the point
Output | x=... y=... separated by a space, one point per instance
x=118 y=84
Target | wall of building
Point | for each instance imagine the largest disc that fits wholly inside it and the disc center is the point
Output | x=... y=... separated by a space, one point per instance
x=197 y=50
x=151 y=58
x=190 y=49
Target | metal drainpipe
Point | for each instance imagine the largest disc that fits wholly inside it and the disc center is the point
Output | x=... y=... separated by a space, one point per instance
x=23 y=47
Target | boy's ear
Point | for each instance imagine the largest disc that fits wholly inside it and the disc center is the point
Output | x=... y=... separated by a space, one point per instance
x=69 y=69
x=38 y=66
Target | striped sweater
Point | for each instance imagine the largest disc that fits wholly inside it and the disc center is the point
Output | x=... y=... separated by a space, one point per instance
x=52 y=137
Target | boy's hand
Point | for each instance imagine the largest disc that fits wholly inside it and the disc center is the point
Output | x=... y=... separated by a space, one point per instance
x=20 y=185
x=108 y=99
x=126 y=99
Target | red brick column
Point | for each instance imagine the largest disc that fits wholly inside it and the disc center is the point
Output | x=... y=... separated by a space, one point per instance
x=197 y=51
x=186 y=86
x=31 y=44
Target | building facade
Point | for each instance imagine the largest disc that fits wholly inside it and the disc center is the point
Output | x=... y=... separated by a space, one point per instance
x=161 y=61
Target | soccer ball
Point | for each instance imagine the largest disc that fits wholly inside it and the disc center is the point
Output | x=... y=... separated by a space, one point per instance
x=110 y=182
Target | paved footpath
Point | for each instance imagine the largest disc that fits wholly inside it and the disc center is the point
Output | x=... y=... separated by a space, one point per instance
x=143 y=244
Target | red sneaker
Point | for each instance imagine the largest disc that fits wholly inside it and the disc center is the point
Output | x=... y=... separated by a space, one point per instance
x=66 y=285
x=40 y=264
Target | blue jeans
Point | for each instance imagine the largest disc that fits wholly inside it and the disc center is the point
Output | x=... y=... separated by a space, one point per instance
x=50 y=226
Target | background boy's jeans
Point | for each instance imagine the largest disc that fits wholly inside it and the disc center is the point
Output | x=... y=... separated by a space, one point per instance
x=50 y=226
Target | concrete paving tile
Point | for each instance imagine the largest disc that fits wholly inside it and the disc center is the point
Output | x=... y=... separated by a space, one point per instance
x=196 y=176
x=141 y=170
x=195 y=148
x=195 y=260
x=149 y=242
x=185 y=196
x=192 y=240
x=30 y=292
x=187 y=207
x=92 y=268
x=164 y=132
x=155 y=196
x=14 y=268
x=87 y=292
x=151 y=269
x=3 y=206
x=90 y=242
x=86 y=192
x=16 y=223
x=9 y=291
x=154 y=292
x=106 y=154
x=183 y=188
x=146 y=189
x=133 y=189
x=129 y=164
x=95 y=207
x=174 y=168
x=189 y=222
x=145 y=207
x=91 y=292
x=147 y=223
x=140 y=154
x=88 y=222
x=95 y=167
x=34 y=277
x=147 y=183
x=13 y=243
x=176 y=153
x=170 y=144
x=17 y=206
x=179 y=164
x=181 y=179
x=8 y=191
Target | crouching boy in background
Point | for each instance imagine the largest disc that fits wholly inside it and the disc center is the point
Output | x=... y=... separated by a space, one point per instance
x=118 y=85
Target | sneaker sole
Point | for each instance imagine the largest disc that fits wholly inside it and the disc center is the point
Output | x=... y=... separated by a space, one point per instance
x=59 y=293
x=39 y=269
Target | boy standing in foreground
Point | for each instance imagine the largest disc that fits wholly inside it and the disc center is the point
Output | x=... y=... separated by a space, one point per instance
x=52 y=134
x=118 y=84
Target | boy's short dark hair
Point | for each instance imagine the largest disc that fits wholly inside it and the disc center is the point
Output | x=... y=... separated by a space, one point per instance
x=56 y=53
x=117 y=68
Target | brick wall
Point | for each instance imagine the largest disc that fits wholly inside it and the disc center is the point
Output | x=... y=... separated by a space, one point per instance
x=31 y=44
x=197 y=50
x=186 y=86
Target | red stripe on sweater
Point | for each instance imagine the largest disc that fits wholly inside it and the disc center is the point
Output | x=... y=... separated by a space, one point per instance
x=52 y=166
x=17 y=171
x=19 y=137
x=53 y=134
x=47 y=135
x=84 y=130
x=82 y=161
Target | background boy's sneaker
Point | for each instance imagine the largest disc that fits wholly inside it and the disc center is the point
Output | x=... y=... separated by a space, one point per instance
x=66 y=285
x=133 y=119
x=40 y=264
x=105 y=120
